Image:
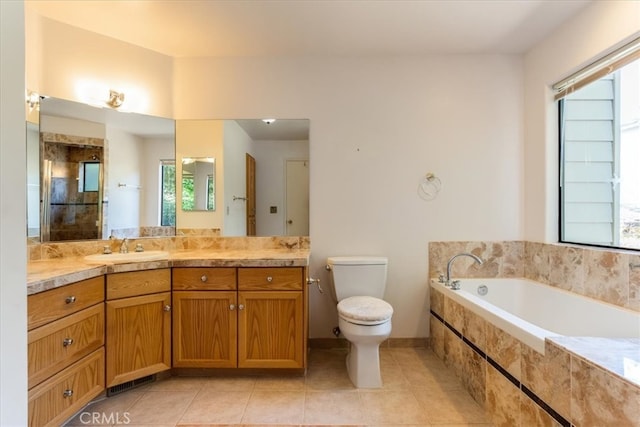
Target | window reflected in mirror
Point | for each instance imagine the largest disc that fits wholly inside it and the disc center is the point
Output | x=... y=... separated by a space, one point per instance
x=198 y=184
x=168 y=193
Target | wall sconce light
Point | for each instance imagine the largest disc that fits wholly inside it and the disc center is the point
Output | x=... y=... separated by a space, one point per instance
x=33 y=101
x=115 y=99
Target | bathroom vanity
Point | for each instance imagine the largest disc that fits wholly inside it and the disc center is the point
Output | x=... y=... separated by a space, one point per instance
x=92 y=327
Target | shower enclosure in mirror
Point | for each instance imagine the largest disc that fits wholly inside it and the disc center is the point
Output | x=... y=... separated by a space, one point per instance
x=100 y=172
x=71 y=187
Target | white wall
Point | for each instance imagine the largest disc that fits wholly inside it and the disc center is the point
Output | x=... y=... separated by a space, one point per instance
x=271 y=159
x=231 y=175
x=198 y=138
x=377 y=127
x=13 y=249
x=125 y=166
x=68 y=63
x=33 y=180
x=153 y=151
x=594 y=32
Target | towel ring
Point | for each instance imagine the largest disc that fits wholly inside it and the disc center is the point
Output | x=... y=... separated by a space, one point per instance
x=429 y=187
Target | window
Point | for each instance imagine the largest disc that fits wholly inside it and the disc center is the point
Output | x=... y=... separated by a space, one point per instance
x=89 y=179
x=188 y=192
x=168 y=193
x=599 y=114
x=211 y=193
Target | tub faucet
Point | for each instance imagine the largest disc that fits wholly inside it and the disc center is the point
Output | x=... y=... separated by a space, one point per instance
x=447 y=280
x=124 y=246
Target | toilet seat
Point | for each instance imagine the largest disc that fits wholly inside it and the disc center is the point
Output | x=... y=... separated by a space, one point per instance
x=365 y=310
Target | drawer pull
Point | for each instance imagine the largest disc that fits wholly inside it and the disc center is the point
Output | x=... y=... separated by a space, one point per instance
x=232 y=307
x=241 y=307
x=70 y=299
x=269 y=279
x=204 y=278
x=67 y=393
x=167 y=307
x=67 y=342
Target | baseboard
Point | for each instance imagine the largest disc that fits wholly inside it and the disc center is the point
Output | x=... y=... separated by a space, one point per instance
x=329 y=343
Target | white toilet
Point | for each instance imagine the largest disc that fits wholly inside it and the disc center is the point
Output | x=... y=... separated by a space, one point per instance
x=364 y=318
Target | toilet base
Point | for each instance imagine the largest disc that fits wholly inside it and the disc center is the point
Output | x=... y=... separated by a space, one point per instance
x=363 y=365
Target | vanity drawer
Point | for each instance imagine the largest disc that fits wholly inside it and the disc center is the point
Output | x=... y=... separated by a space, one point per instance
x=57 y=345
x=270 y=279
x=64 y=394
x=204 y=278
x=134 y=283
x=51 y=305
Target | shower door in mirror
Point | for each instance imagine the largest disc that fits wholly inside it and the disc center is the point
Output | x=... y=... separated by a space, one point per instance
x=71 y=187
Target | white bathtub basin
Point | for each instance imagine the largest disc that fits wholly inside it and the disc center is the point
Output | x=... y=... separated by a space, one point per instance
x=118 y=258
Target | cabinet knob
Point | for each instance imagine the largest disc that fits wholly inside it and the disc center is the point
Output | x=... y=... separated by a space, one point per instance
x=70 y=299
x=269 y=279
x=67 y=393
x=167 y=307
x=240 y=307
x=67 y=342
x=232 y=307
x=204 y=278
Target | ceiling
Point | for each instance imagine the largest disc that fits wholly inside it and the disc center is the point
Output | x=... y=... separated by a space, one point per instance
x=194 y=28
x=156 y=127
x=223 y=28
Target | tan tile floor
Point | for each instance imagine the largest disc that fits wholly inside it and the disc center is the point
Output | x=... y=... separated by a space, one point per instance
x=418 y=391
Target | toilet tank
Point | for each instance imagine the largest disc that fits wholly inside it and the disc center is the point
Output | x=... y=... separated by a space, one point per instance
x=358 y=275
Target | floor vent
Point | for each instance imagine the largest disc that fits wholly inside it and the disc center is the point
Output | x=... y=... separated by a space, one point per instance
x=120 y=388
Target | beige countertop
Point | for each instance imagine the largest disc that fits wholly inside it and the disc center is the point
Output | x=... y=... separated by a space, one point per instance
x=47 y=274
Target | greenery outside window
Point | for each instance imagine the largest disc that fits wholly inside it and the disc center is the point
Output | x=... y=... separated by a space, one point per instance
x=168 y=193
x=599 y=115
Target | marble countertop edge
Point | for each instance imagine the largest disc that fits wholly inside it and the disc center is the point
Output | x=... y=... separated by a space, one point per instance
x=621 y=358
x=43 y=275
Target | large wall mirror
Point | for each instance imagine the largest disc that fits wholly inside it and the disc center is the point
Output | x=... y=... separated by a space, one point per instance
x=96 y=172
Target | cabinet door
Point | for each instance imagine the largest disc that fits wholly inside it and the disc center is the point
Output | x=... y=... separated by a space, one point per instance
x=138 y=337
x=270 y=329
x=204 y=329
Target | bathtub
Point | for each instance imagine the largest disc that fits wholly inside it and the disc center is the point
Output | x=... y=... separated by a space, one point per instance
x=530 y=311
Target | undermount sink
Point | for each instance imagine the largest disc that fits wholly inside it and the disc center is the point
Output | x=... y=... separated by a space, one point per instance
x=123 y=258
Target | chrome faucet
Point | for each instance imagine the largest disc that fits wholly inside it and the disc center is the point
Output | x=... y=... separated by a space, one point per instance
x=453 y=284
x=124 y=246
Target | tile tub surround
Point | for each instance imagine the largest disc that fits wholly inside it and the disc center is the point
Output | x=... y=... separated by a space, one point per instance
x=519 y=386
x=612 y=276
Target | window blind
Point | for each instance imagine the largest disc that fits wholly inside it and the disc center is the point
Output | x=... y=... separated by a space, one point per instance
x=606 y=65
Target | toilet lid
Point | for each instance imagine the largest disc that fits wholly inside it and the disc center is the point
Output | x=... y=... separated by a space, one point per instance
x=365 y=310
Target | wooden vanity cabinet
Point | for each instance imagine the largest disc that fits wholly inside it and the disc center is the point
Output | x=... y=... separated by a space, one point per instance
x=249 y=317
x=271 y=320
x=138 y=324
x=204 y=317
x=65 y=350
